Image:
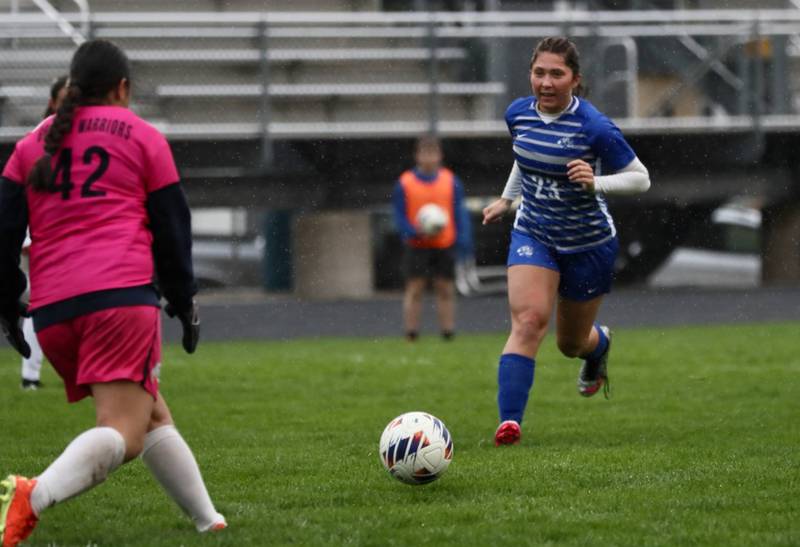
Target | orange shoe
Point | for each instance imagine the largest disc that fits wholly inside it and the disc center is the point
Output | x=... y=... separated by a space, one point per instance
x=17 y=519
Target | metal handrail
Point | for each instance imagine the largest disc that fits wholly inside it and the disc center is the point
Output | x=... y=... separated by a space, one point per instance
x=62 y=23
x=467 y=19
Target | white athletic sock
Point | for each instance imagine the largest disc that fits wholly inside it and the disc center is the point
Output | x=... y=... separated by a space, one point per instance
x=172 y=463
x=85 y=463
x=32 y=366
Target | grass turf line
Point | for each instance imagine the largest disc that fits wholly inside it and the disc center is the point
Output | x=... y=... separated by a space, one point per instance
x=698 y=445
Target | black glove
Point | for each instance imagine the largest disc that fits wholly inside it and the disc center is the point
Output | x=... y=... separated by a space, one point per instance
x=10 y=321
x=190 y=321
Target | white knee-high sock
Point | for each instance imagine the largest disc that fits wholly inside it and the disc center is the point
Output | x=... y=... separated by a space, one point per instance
x=31 y=366
x=85 y=463
x=172 y=463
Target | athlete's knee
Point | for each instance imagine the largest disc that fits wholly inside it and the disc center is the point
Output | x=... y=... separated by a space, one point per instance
x=569 y=347
x=445 y=290
x=529 y=325
x=132 y=434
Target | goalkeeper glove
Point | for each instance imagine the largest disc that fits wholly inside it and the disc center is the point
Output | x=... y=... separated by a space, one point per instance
x=190 y=321
x=10 y=323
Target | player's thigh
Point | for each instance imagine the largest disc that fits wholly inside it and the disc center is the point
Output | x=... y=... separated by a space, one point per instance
x=127 y=407
x=416 y=263
x=531 y=294
x=415 y=286
x=60 y=343
x=122 y=343
x=443 y=263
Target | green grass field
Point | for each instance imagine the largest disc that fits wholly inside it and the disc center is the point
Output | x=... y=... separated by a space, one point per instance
x=699 y=445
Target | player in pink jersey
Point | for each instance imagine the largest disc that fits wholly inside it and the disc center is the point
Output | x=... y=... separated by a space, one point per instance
x=98 y=188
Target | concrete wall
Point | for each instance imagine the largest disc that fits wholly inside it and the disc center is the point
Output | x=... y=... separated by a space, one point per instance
x=332 y=255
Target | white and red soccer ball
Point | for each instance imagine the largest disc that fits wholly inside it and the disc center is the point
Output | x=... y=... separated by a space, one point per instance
x=416 y=448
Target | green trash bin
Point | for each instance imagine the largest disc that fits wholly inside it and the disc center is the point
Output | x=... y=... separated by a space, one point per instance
x=277 y=259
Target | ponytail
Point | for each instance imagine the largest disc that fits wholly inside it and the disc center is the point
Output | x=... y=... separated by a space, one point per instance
x=41 y=176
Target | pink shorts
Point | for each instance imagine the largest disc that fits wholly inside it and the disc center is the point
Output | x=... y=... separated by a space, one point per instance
x=104 y=346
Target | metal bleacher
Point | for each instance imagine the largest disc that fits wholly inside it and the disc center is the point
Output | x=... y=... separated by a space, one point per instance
x=211 y=71
x=204 y=73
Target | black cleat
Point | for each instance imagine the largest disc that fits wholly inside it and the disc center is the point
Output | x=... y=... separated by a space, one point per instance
x=31 y=385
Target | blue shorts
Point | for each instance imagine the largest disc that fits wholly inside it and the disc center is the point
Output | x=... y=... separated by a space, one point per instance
x=584 y=275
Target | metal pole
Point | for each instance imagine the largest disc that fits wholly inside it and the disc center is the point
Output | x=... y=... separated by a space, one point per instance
x=781 y=99
x=265 y=111
x=14 y=11
x=758 y=78
x=433 y=75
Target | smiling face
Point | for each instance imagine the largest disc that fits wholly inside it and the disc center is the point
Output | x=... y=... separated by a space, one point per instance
x=553 y=82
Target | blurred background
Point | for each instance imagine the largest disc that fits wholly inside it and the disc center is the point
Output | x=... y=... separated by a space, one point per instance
x=291 y=120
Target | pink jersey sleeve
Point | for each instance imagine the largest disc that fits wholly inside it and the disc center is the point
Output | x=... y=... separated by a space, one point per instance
x=26 y=152
x=160 y=169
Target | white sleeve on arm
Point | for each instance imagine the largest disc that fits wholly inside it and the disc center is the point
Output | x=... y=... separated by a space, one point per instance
x=513 y=187
x=631 y=179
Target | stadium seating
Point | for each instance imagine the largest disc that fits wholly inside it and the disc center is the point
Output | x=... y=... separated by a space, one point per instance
x=208 y=76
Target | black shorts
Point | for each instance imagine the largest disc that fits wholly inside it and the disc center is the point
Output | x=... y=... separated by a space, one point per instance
x=429 y=263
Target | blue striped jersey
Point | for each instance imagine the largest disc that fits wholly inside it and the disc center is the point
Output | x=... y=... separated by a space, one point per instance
x=555 y=211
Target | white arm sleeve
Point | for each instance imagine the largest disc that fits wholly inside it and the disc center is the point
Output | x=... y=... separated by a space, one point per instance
x=513 y=187
x=631 y=179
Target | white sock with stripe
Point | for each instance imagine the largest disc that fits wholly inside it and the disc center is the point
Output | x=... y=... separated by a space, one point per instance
x=172 y=463
x=85 y=463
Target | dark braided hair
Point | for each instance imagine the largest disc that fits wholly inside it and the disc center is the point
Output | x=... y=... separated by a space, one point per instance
x=568 y=51
x=96 y=69
x=55 y=88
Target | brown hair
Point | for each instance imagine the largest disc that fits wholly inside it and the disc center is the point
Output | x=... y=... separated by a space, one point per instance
x=563 y=46
x=97 y=67
x=427 y=142
x=55 y=88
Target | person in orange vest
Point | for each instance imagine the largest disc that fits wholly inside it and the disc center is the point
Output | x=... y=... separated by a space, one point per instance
x=430 y=257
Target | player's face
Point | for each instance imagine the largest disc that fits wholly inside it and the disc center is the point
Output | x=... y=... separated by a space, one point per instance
x=552 y=82
x=429 y=159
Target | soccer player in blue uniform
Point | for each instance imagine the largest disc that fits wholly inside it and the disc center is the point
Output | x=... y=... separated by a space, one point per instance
x=567 y=156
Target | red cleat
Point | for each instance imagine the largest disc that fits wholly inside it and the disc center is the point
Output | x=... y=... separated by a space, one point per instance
x=18 y=518
x=507 y=433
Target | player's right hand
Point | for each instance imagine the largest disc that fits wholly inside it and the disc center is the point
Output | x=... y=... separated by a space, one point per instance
x=10 y=323
x=190 y=321
x=496 y=210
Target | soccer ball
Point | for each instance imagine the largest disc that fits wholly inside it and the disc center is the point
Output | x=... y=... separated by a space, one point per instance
x=431 y=219
x=416 y=448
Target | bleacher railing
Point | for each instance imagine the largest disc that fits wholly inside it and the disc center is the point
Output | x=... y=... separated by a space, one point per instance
x=653 y=71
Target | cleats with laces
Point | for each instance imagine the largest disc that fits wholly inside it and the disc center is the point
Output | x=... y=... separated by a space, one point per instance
x=594 y=374
x=507 y=433
x=17 y=517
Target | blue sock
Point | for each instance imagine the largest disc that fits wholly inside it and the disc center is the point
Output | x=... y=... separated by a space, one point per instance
x=514 y=381
x=602 y=345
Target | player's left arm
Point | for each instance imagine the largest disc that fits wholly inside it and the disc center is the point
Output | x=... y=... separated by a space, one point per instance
x=627 y=174
x=170 y=222
x=171 y=225
x=462 y=222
